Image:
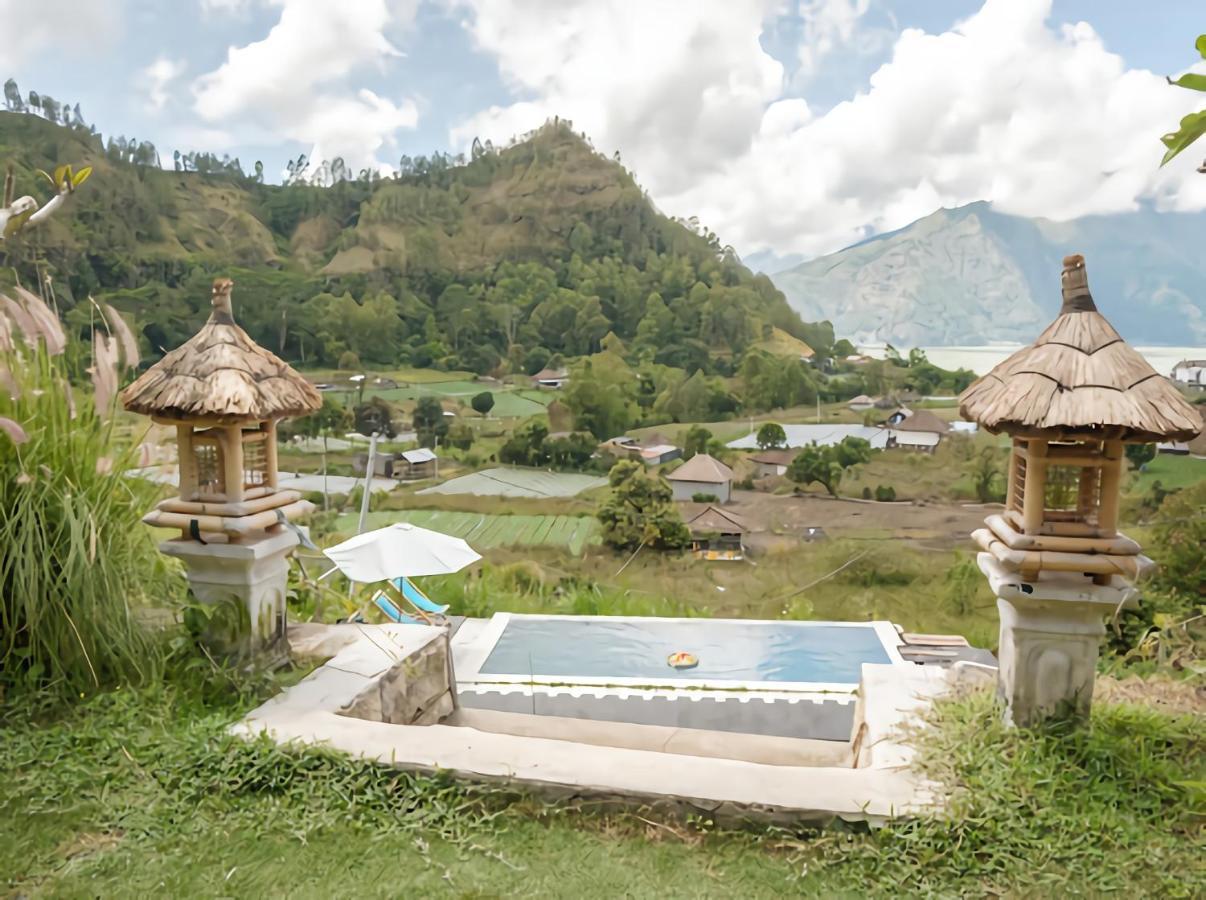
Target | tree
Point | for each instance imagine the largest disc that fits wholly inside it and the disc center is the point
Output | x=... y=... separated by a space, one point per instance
x=1139 y=455
x=482 y=403
x=460 y=435
x=1193 y=126
x=697 y=440
x=985 y=470
x=430 y=424
x=601 y=394
x=374 y=417
x=771 y=435
x=640 y=511
x=526 y=446
x=826 y=465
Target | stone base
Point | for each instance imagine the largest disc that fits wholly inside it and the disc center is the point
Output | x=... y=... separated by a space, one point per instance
x=243 y=585
x=1051 y=630
x=417 y=690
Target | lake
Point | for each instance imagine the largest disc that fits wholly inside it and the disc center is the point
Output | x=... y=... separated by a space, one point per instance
x=982 y=359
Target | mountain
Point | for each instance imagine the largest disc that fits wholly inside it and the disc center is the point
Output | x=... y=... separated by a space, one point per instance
x=971 y=276
x=539 y=248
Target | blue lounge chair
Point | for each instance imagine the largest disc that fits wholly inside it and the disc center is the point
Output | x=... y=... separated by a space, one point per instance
x=415 y=597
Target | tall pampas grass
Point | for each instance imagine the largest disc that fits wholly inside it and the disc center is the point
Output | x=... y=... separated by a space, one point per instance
x=75 y=561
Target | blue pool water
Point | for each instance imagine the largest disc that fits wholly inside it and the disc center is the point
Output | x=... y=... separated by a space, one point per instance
x=599 y=647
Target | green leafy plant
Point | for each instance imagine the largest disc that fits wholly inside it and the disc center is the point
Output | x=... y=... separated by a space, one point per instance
x=1192 y=126
x=640 y=511
x=76 y=563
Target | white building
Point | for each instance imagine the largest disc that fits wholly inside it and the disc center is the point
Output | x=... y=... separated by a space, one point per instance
x=702 y=474
x=1191 y=372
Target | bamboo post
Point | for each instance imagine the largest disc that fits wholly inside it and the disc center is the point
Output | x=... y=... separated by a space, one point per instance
x=1034 y=491
x=1010 y=488
x=1111 y=478
x=186 y=462
x=270 y=474
x=232 y=462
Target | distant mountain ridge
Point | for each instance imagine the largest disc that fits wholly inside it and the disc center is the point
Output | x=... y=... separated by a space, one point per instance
x=972 y=276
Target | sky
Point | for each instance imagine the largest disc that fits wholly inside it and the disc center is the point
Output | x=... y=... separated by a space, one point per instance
x=791 y=128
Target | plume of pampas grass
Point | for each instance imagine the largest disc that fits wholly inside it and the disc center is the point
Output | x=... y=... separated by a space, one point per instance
x=15 y=432
x=23 y=320
x=104 y=370
x=46 y=322
x=125 y=337
x=8 y=383
x=6 y=333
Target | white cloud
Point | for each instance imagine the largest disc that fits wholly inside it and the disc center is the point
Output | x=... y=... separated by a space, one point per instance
x=54 y=26
x=679 y=88
x=1039 y=118
x=291 y=84
x=827 y=25
x=157 y=77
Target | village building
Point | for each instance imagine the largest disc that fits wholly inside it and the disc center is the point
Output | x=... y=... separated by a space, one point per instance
x=1192 y=447
x=415 y=464
x=554 y=379
x=653 y=451
x=921 y=430
x=717 y=534
x=772 y=462
x=860 y=403
x=1190 y=372
x=702 y=475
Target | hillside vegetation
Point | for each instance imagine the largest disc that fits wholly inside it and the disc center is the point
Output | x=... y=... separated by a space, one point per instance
x=501 y=263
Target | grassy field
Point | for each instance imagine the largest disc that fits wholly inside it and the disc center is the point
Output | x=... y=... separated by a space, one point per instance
x=485 y=532
x=141 y=793
x=1171 y=471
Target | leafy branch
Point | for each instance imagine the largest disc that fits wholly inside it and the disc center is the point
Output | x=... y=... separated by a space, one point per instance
x=1193 y=126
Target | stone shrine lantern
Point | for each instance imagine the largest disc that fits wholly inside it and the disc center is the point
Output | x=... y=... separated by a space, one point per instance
x=224 y=395
x=1054 y=558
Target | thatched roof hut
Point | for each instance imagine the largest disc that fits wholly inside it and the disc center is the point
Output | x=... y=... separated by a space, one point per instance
x=221 y=375
x=1080 y=379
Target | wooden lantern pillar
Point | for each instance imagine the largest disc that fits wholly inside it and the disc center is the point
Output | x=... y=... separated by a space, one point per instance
x=1054 y=556
x=223 y=394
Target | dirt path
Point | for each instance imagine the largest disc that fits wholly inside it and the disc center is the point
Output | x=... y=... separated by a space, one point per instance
x=778 y=517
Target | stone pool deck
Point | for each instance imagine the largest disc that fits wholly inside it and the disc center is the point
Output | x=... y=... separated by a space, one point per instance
x=867 y=779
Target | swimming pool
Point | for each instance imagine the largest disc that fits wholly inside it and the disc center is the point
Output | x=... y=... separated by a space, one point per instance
x=632 y=651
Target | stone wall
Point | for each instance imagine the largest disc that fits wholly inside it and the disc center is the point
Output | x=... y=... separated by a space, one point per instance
x=415 y=691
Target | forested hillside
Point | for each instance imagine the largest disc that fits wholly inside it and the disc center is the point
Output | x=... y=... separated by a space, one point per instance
x=497 y=263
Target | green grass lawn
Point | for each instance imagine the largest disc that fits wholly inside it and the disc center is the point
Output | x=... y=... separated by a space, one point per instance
x=142 y=793
x=1171 y=471
x=484 y=532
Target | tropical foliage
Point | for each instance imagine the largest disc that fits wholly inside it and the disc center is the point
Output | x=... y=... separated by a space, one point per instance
x=826 y=465
x=640 y=511
x=77 y=563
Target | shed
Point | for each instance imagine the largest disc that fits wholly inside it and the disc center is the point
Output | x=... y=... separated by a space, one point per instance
x=1190 y=372
x=702 y=474
x=551 y=378
x=923 y=420
x=773 y=462
x=420 y=463
x=717 y=534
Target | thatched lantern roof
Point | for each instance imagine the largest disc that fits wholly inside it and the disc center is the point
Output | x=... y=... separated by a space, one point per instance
x=1080 y=379
x=221 y=375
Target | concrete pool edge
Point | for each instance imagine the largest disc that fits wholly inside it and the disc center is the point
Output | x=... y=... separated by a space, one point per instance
x=882 y=786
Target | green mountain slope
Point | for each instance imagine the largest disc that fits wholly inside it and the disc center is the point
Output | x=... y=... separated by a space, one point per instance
x=541 y=248
x=974 y=276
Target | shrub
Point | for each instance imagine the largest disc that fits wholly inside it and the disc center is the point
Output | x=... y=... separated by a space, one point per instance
x=705 y=498
x=76 y=560
x=885 y=493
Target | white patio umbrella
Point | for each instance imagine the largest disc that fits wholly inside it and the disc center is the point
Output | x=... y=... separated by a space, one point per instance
x=400 y=550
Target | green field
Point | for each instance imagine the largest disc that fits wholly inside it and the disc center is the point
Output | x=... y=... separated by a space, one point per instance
x=1171 y=471
x=484 y=532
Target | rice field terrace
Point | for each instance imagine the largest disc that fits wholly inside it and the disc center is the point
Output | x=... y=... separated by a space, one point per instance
x=515 y=482
x=484 y=531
